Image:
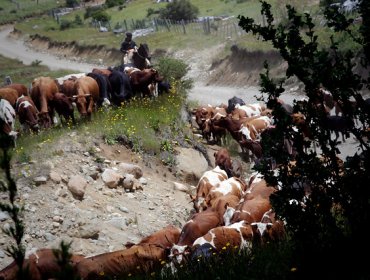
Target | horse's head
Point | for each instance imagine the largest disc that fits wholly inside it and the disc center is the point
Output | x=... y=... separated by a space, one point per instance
x=143 y=50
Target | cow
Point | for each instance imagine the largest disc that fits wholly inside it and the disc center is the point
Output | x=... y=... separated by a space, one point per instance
x=136 y=260
x=338 y=124
x=252 y=130
x=140 y=81
x=198 y=225
x=104 y=88
x=20 y=88
x=7 y=121
x=251 y=109
x=63 y=106
x=68 y=87
x=221 y=203
x=42 y=91
x=209 y=180
x=223 y=160
x=121 y=87
x=72 y=77
x=87 y=96
x=27 y=114
x=232 y=103
x=163 y=238
x=239 y=235
x=42 y=264
x=9 y=94
x=105 y=72
x=233 y=185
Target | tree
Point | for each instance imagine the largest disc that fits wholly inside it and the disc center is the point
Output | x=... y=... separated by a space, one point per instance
x=179 y=10
x=326 y=227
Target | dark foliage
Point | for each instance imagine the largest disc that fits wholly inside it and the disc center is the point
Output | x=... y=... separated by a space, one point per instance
x=326 y=227
x=179 y=10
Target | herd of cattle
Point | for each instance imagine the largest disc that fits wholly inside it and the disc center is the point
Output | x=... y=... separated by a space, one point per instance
x=246 y=123
x=230 y=213
x=36 y=106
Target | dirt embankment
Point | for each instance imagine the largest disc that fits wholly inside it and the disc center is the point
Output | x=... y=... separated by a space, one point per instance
x=240 y=68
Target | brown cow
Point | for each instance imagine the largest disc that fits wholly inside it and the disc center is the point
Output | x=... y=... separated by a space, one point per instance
x=87 y=90
x=41 y=265
x=223 y=160
x=42 y=92
x=140 y=80
x=20 y=88
x=63 y=106
x=9 y=94
x=252 y=129
x=138 y=259
x=163 y=238
x=27 y=113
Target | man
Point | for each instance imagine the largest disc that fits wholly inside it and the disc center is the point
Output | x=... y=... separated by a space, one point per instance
x=128 y=43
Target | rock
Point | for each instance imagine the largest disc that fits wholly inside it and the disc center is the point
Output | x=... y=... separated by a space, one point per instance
x=49 y=236
x=191 y=164
x=77 y=185
x=124 y=209
x=131 y=169
x=4 y=216
x=55 y=177
x=180 y=187
x=143 y=181
x=40 y=180
x=128 y=182
x=2 y=254
x=89 y=231
x=111 y=178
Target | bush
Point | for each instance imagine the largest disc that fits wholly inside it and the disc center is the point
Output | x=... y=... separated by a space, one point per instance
x=72 y=3
x=65 y=24
x=101 y=16
x=179 y=10
x=172 y=68
x=113 y=3
x=78 y=21
x=91 y=10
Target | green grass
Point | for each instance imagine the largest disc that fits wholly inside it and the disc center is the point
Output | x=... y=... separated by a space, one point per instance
x=24 y=74
x=10 y=12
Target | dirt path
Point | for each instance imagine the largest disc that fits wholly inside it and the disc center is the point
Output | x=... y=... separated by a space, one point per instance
x=13 y=48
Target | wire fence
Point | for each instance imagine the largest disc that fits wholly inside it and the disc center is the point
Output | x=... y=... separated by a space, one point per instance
x=221 y=27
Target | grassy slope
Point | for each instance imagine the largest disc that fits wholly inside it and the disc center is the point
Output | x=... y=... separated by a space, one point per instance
x=10 y=12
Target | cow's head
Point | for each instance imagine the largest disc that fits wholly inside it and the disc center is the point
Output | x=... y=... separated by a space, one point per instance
x=82 y=103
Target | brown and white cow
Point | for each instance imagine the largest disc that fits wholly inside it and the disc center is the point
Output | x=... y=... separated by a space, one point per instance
x=41 y=264
x=197 y=226
x=27 y=113
x=239 y=235
x=252 y=129
x=233 y=185
x=223 y=160
x=209 y=180
x=251 y=110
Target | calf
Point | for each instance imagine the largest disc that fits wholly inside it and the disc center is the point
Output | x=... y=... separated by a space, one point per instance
x=63 y=106
x=27 y=113
x=20 y=88
x=140 y=80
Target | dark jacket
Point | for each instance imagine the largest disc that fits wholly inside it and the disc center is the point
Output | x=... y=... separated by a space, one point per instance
x=126 y=45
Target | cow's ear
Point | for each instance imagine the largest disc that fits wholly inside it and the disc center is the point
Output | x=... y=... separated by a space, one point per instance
x=72 y=98
x=226 y=205
x=192 y=197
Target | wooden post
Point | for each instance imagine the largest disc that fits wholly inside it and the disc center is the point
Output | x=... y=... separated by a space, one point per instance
x=183 y=26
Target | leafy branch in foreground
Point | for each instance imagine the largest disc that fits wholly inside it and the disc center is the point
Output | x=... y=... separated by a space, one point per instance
x=15 y=231
x=324 y=201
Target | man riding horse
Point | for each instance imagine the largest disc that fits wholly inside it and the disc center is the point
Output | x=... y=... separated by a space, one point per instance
x=134 y=56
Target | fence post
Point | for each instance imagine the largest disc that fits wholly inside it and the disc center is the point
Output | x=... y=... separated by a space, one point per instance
x=183 y=26
x=125 y=23
x=155 y=24
x=168 y=25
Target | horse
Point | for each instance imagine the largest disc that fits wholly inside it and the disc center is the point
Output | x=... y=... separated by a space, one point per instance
x=137 y=57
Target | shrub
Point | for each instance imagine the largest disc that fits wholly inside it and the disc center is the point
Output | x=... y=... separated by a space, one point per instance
x=113 y=3
x=72 y=3
x=101 y=16
x=179 y=10
x=65 y=24
x=172 y=68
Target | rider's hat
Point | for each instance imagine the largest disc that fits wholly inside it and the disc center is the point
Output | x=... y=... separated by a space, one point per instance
x=129 y=34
